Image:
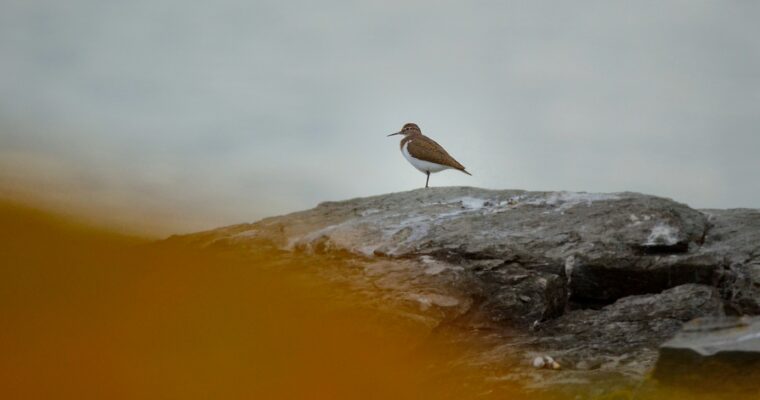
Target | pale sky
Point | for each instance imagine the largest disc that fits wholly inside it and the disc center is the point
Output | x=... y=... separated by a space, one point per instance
x=193 y=115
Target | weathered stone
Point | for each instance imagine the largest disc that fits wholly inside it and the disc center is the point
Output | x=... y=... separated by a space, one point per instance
x=597 y=280
x=734 y=240
x=515 y=295
x=605 y=350
x=708 y=351
x=613 y=245
x=631 y=324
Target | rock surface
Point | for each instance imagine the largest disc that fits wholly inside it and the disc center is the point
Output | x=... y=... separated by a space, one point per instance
x=631 y=324
x=599 y=280
x=711 y=350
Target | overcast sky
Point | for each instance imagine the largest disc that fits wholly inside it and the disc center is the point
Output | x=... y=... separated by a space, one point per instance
x=196 y=115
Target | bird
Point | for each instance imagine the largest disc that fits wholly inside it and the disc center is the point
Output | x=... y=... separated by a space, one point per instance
x=424 y=153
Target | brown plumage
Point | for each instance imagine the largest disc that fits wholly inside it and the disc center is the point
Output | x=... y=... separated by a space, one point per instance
x=425 y=148
x=424 y=153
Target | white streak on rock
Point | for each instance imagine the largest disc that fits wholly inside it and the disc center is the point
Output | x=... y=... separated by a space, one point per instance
x=563 y=201
x=662 y=234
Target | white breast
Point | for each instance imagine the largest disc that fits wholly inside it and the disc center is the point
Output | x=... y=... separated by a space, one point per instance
x=422 y=165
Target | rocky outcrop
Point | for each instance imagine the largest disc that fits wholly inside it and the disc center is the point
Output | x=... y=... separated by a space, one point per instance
x=606 y=275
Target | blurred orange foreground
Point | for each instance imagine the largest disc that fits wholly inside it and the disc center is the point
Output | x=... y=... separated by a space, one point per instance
x=90 y=314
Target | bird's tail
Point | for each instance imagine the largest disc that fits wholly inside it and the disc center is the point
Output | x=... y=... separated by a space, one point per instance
x=465 y=172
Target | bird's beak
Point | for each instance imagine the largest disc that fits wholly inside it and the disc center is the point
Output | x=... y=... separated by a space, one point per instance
x=397 y=133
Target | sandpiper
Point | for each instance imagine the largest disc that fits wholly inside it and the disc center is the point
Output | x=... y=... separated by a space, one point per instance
x=424 y=153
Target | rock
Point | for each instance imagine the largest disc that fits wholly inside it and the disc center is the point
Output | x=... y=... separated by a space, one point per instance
x=734 y=240
x=610 y=245
x=545 y=362
x=709 y=351
x=514 y=295
x=587 y=364
x=598 y=280
x=634 y=324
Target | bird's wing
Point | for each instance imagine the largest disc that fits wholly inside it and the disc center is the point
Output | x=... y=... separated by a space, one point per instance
x=424 y=148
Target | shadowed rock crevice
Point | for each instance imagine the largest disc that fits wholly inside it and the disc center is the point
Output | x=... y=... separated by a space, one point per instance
x=611 y=279
x=663 y=249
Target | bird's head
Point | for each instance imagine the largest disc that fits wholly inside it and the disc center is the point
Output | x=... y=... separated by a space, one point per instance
x=408 y=129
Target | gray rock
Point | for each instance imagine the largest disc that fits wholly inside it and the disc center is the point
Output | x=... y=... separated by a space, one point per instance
x=514 y=295
x=611 y=348
x=733 y=240
x=708 y=351
x=600 y=239
x=631 y=324
x=597 y=280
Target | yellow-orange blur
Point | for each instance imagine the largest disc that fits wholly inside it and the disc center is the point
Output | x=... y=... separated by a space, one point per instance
x=91 y=314
x=86 y=313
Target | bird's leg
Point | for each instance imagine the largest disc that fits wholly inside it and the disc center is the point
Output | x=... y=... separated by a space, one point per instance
x=428 y=179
